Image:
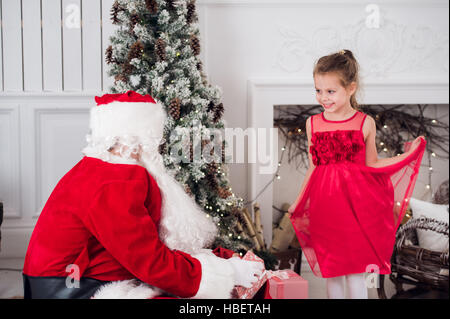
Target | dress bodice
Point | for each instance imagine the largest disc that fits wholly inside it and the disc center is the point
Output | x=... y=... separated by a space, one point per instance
x=334 y=142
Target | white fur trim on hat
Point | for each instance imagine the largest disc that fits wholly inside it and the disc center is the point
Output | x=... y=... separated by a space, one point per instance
x=141 y=119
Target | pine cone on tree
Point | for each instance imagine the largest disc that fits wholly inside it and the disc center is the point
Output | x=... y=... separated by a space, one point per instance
x=170 y=4
x=175 y=108
x=116 y=8
x=162 y=148
x=204 y=144
x=121 y=77
x=212 y=168
x=136 y=50
x=218 y=112
x=195 y=45
x=152 y=6
x=211 y=180
x=200 y=66
x=210 y=106
x=188 y=189
x=160 y=49
x=190 y=16
x=191 y=151
x=134 y=19
x=127 y=69
x=109 y=55
x=224 y=193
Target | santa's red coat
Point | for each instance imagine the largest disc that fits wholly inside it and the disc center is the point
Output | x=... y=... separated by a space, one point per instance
x=104 y=218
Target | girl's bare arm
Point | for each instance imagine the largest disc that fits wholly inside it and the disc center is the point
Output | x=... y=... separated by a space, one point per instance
x=372 y=159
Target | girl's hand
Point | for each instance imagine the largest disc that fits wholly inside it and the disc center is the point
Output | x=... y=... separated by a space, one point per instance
x=415 y=143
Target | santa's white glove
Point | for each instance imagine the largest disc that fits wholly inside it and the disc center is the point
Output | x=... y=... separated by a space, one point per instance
x=245 y=271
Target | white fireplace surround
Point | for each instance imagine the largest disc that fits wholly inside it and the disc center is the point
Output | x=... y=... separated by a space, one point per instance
x=265 y=93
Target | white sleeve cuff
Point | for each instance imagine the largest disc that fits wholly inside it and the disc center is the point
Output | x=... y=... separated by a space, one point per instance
x=217 y=277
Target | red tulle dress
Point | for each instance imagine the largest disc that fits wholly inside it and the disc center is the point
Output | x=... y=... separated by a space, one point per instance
x=348 y=213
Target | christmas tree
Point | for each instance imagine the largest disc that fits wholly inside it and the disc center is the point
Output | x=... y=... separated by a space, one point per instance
x=155 y=50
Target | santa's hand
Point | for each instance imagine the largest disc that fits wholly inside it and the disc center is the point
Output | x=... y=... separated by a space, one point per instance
x=245 y=271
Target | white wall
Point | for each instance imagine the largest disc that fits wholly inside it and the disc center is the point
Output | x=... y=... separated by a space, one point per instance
x=49 y=76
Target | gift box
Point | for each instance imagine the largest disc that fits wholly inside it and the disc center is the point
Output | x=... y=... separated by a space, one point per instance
x=285 y=284
x=248 y=293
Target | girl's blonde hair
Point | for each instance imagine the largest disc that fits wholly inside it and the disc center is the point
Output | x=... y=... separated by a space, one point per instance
x=344 y=64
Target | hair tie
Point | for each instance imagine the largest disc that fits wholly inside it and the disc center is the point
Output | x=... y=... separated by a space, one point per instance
x=342 y=52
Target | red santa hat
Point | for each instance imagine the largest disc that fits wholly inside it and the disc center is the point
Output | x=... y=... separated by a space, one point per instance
x=127 y=114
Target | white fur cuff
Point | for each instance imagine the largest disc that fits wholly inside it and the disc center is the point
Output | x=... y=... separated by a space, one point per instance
x=127 y=289
x=217 y=277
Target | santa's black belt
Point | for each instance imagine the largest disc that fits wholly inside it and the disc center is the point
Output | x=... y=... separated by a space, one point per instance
x=58 y=288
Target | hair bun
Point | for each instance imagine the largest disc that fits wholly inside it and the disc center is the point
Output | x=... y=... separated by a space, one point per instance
x=347 y=53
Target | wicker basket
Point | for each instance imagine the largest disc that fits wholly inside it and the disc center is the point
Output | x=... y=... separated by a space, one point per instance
x=415 y=265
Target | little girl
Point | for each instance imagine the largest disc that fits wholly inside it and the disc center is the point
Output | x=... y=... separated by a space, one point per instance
x=351 y=202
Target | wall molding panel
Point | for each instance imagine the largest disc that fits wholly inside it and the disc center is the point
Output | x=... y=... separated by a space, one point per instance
x=9 y=161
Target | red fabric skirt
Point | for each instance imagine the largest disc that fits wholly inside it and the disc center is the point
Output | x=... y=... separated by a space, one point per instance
x=348 y=214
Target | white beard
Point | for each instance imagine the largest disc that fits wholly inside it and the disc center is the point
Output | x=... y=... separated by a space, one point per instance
x=183 y=226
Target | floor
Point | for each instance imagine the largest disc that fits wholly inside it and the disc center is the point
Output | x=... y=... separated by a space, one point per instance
x=11 y=282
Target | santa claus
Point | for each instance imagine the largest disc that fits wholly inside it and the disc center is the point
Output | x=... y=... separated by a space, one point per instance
x=118 y=225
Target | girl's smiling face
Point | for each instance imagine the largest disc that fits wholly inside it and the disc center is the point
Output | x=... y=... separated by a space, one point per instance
x=331 y=94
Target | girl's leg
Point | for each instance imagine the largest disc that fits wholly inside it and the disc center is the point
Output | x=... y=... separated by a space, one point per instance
x=356 y=285
x=335 y=287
